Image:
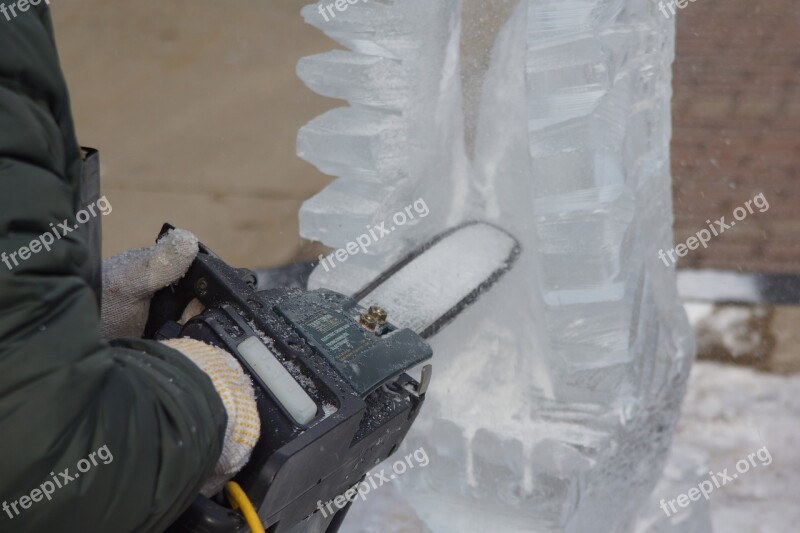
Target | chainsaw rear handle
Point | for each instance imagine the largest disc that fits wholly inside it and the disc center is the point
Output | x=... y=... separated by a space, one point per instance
x=207 y=516
x=168 y=304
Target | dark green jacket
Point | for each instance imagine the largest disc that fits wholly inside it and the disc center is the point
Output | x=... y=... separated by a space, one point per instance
x=64 y=392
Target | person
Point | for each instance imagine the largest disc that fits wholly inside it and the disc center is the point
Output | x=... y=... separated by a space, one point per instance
x=99 y=433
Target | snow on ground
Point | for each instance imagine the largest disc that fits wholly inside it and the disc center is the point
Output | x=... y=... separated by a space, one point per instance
x=731 y=412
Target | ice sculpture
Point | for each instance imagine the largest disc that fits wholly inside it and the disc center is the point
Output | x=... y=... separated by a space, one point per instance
x=554 y=398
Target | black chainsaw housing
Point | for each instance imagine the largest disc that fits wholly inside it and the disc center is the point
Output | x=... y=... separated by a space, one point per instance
x=366 y=403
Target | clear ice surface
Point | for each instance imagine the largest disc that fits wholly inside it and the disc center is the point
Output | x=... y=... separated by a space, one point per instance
x=555 y=396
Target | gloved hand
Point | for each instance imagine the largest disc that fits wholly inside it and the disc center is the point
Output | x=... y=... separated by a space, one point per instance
x=131 y=278
x=236 y=391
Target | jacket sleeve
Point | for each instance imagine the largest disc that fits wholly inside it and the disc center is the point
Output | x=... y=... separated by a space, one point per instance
x=64 y=392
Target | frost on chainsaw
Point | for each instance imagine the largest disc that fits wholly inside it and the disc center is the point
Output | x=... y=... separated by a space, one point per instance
x=555 y=396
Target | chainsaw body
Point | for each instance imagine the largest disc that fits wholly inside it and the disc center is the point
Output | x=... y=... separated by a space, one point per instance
x=331 y=387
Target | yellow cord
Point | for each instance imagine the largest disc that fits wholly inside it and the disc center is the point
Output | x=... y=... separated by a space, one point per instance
x=239 y=500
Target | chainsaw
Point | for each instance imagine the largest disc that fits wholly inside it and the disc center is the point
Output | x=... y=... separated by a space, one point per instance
x=331 y=372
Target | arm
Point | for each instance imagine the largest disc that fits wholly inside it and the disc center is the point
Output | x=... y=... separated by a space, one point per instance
x=64 y=392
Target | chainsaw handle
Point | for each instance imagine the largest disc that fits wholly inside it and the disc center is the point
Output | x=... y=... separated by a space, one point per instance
x=207 y=516
x=207 y=279
x=166 y=305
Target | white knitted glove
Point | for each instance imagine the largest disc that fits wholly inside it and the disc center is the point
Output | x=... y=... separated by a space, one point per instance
x=131 y=278
x=236 y=391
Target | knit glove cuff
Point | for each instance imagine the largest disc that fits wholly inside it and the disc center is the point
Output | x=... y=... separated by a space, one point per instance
x=236 y=390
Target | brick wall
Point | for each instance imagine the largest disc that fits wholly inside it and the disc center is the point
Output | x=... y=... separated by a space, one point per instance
x=737 y=131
